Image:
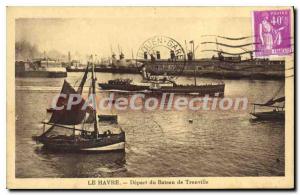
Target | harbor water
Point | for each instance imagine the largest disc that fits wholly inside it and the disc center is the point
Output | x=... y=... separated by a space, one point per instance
x=158 y=143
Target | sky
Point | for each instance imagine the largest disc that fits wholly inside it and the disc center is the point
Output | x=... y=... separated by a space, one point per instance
x=86 y=36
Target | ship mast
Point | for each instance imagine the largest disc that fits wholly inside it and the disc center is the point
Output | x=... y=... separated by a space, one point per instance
x=94 y=95
x=193 y=58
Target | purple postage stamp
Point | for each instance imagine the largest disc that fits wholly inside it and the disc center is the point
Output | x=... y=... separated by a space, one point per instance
x=272 y=32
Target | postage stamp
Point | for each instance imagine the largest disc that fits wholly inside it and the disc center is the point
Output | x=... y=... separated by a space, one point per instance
x=272 y=32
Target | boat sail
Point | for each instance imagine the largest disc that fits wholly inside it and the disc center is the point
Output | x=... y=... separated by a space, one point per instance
x=277 y=105
x=64 y=133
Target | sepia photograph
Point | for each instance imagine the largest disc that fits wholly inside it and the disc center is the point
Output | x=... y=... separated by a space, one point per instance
x=150 y=98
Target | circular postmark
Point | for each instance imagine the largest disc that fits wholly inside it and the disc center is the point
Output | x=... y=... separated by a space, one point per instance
x=161 y=55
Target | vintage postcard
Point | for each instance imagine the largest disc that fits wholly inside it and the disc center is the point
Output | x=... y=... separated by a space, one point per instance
x=150 y=97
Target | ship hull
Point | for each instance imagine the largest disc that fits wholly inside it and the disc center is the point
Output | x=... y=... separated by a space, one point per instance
x=112 y=147
x=106 y=86
x=269 y=116
x=202 y=90
x=104 y=143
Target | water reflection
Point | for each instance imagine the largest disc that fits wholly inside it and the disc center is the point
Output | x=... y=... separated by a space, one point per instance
x=82 y=165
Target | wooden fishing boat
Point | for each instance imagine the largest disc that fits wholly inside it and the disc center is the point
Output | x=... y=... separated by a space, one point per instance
x=77 y=129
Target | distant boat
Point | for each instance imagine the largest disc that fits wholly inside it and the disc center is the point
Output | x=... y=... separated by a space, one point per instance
x=276 y=114
x=271 y=115
x=79 y=130
x=40 y=68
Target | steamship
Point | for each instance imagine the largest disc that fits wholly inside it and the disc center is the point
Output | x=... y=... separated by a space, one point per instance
x=163 y=83
x=42 y=67
x=218 y=66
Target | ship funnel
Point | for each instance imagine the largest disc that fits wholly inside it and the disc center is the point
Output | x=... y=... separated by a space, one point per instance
x=190 y=56
x=121 y=56
x=152 y=58
x=172 y=55
x=158 y=55
x=113 y=59
x=251 y=55
x=145 y=55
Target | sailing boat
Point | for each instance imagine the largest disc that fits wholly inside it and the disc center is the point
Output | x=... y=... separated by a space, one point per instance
x=277 y=105
x=78 y=129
